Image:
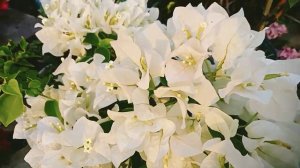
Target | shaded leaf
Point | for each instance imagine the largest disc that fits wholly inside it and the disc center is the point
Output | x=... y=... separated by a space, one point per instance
x=91 y=38
x=105 y=52
x=5 y=51
x=293 y=2
x=23 y=44
x=52 y=109
x=34 y=84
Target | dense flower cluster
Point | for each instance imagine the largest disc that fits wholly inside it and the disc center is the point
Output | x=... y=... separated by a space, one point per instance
x=182 y=95
x=68 y=22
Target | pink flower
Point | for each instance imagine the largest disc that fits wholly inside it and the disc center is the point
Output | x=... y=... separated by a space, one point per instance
x=3 y=5
x=276 y=30
x=288 y=53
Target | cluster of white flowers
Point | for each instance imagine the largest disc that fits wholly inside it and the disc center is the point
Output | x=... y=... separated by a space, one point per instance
x=69 y=21
x=196 y=93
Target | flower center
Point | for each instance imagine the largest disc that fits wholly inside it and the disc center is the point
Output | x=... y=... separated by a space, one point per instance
x=189 y=61
x=87 y=146
x=110 y=86
x=58 y=127
x=73 y=85
x=109 y=65
x=201 y=29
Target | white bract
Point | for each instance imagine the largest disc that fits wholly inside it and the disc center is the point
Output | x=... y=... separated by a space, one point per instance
x=193 y=93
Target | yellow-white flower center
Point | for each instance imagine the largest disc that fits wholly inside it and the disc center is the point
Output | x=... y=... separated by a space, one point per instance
x=189 y=61
x=201 y=29
x=109 y=65
x=87 y=146
x=57 y=126
x=110 y=86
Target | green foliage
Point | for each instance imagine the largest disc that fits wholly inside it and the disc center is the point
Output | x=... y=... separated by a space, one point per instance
x=105 y=52
x=215 y=134
x=100 y=44
x=91 y=38
x=52 y=109
x=11 y=102
x=21 y=72
x=293 y=2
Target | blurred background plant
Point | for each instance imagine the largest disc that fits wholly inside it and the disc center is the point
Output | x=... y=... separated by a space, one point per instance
x=24 y=70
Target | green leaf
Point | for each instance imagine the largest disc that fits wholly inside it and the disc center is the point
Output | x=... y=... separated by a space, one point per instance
x=137 y=161
x=163 y=81
x=9 y=76
x=12 y=88
x=91 y=38
x=33 y=92
x=106 y=126
x=5 y=51
x=215 y=134
x=24 y=62
x=11 y=102
x=7 y=66
x=52 y=109
x=103 y=35
x=293 y=3
x=34 y=84
x=105 y=43
x=2 y=81
x=151 y=85
x=11 y=107
x=239 y=145
x=105 y=52
x=23 y=44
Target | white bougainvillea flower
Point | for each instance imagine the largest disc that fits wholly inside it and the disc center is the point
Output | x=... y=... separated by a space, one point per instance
x=157 y=144
x=27 y=122
x=181 y=95
x=184 y=66
x=48 y=131
x=34 y=157
x=65 y=157
x=233 y=39
x=73 y=107
x=270 y=154
x=224 y=151
x=284 y=105
x=146 y=52
x=215 y=119
x=278 y=133
x=194 y=22
x=88 y=139
x=186 y=145
x=185 y=69
x=77 y=75
x=246 y=80
x=126 y=16
x=173 y=161
x=117 y=82
x=146 y=129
